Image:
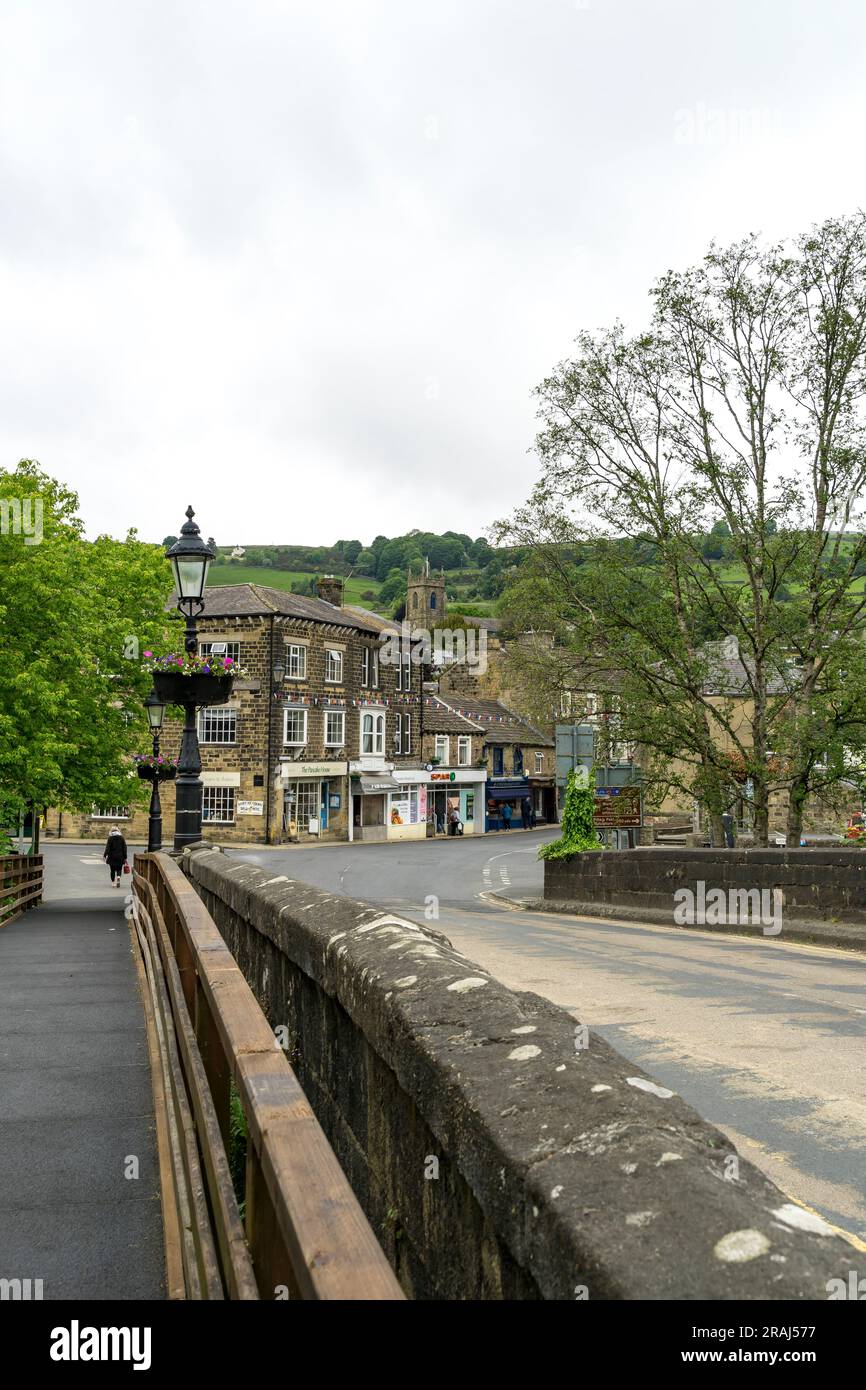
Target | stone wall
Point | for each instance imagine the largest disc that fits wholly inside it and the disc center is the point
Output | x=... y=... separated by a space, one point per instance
x=820 y=885
x=495 y=1156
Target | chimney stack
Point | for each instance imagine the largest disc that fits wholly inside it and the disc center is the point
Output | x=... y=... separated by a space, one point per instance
x=330 y=588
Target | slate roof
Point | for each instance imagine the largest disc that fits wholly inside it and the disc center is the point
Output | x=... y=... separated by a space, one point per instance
x=490 y=717
x=258 y=600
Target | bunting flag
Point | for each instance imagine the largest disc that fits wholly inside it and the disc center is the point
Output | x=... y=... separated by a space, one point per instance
x=291 y=697
x=475 y=716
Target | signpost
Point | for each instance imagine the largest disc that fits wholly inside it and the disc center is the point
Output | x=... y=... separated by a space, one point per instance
x=617 y=808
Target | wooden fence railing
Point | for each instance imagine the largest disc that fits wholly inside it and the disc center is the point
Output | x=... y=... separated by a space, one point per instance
x=303 y=1233
x=21 y=884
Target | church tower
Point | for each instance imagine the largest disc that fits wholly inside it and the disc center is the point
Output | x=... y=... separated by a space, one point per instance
x=425 y=597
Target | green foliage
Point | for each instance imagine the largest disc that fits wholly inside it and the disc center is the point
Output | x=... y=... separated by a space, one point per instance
x=75 y=617
x=237 y=1146
x=578 y=832
x=394 y=587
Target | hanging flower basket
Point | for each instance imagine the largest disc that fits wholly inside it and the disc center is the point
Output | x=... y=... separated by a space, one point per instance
x=190 y=679
x=174 y=688
x=158 y=769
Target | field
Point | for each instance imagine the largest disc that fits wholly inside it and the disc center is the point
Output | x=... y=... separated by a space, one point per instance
x=283 y=579
x=355 y=587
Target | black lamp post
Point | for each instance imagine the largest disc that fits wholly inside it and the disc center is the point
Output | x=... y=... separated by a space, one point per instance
x=190 y=560
x=155 y=713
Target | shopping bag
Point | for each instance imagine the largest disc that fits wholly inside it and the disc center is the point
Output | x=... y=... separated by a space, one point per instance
x=126 y=869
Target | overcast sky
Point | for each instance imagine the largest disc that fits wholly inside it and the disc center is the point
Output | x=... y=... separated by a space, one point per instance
x=302 y=264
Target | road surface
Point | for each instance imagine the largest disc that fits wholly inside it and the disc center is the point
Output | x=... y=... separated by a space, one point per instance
x=764 y=1037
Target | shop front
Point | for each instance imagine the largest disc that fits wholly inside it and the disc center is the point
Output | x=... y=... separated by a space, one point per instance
x=445 y=790
x=314 y=800
x=386 y=806
x=542 y=795
x=502 y=792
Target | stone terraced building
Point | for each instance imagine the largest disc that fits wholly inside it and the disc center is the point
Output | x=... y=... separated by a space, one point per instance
x=328 y=737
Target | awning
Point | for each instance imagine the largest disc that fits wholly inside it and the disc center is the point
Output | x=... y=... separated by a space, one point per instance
x=497 y=791
x=371 y=785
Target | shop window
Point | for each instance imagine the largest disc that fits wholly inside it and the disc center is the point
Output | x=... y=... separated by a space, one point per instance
x=404 y=806
x=218 y=805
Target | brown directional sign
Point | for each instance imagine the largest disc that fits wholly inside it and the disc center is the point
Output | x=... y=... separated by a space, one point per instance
x=617 y=808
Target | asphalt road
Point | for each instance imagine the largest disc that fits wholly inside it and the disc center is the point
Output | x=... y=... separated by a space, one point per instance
x=765 y=1038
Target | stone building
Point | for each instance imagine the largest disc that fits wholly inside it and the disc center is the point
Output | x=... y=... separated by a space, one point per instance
x=332 y=735
x=308 y=745
x=518 y=760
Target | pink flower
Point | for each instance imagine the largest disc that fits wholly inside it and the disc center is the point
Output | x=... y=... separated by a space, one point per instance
x=148 y=653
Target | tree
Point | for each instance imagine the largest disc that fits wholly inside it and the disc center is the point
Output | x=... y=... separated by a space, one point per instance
x=394 y=587
x=75 y=620
x=168 y=542
x=351 y=551
x=366 y=562
x=743 y=401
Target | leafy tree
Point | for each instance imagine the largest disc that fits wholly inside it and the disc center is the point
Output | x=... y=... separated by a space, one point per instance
x=366 y=562
x=394 y=587
x=745 y=401
x=168 y=542
x=351 y=551
x=75 y=619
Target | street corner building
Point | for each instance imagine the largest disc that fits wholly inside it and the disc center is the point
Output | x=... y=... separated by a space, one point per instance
x=330 y=738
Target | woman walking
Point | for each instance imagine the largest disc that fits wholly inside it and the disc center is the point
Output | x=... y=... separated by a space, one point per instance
x=115 y=854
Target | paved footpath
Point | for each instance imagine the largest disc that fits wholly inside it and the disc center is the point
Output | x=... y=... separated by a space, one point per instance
x=76 y=1106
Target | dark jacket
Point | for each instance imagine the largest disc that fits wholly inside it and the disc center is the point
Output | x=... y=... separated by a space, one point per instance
x=115 y=851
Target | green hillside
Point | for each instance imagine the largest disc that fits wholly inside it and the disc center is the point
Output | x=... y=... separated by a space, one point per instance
x=355 y=587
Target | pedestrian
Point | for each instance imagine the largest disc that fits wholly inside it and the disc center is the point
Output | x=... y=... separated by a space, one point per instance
x=115 y=854
x=455 y=821
x=526 y=813
x=506 y=816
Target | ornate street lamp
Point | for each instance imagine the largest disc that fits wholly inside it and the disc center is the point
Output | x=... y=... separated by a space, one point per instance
x=155 y=711
x=190 y=560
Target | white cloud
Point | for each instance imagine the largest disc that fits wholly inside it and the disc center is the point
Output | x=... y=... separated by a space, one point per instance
x=303 y=265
